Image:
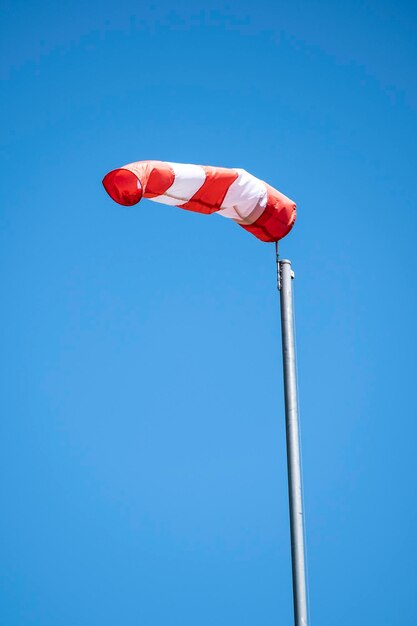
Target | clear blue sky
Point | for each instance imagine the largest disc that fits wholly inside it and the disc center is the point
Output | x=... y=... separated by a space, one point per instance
x=142 y=448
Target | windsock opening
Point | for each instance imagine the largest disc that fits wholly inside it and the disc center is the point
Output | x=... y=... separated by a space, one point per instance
x=123 y=186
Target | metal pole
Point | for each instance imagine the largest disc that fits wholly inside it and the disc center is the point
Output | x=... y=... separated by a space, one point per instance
x=285 y=276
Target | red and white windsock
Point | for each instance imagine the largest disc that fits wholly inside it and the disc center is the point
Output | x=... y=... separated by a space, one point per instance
x=233 y=193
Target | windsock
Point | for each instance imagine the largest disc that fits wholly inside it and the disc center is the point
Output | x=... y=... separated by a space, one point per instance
x=233 y=193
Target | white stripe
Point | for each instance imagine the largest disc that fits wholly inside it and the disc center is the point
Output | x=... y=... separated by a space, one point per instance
x=245 y=199
x=188 y=180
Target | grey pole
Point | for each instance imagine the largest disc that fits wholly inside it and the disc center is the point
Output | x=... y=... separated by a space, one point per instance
x=285 y=276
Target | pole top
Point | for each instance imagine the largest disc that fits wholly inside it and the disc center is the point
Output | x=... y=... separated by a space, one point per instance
x=287 y=261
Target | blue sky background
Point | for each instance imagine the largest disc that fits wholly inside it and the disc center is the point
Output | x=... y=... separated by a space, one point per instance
x=142 y=448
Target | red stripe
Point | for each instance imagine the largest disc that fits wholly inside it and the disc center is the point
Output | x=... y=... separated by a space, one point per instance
x=210 y=196
x=159 y=180
x=277 y=219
